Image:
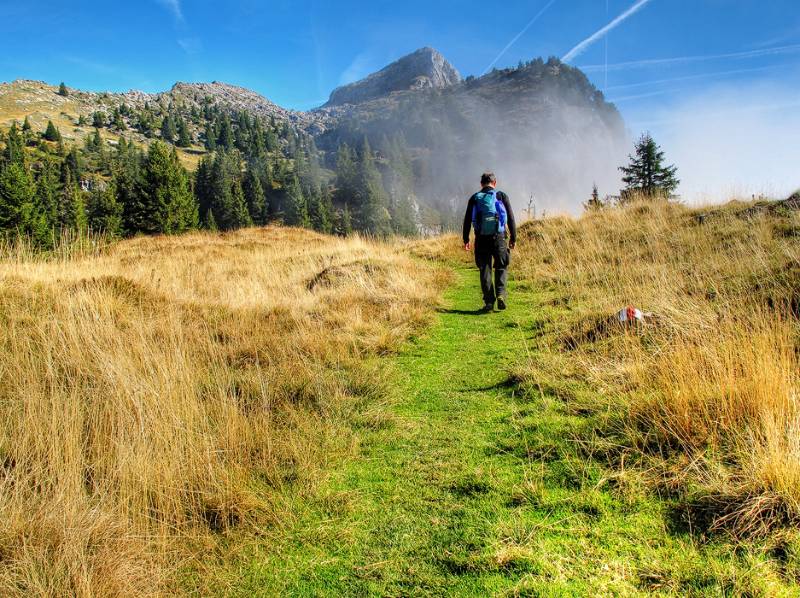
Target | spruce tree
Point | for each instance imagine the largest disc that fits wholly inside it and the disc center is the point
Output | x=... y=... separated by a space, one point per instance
x=168 y=206
x=344 y=222
x=373 y=214
x=184 y=139
x=98 y=119
x=225 y=136
x=103 y=210
x=255 y=197
x=62 y=90
x=227 y=198
x=296 y=211
x=211 y=137
x=51 y=133
x=119 y=122
x=70 y=208
x=14 y=152
x=646 y=173
x=168 y=130
x=27 y=131
x=16 y=197
x=45 y=205
x=321 y=212
x=594 y=202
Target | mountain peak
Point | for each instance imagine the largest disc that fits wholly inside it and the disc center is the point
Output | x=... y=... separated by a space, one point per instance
x=425 y=68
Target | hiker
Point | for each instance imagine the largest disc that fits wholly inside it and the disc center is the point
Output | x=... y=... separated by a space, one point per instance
x=489 y=212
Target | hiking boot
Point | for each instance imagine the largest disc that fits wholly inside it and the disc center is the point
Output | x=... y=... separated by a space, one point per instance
x=501 y=303
x=488 y=307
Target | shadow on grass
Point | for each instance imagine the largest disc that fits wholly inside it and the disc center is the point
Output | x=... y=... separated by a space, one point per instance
x=509 y=383
x=464 y=312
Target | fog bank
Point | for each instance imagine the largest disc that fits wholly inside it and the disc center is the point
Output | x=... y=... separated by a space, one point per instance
x=731 y=142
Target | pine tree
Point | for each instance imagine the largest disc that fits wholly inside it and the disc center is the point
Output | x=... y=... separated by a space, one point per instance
x=44 y=216
x=400 y=184
x=70 y=208
x=346 y=175
x=321 y=212
x=14 y=152
x=128 y=174
x=119 y=122
x=51 y=133
x=646 y=173
x=165 y=203
x=62 y=90
x=344 y=222
x=239 y=216
x=16 y=196
x=98 y=119
x=372 y=214
x=594 y=202
x=255 y=197
x=225 y=133
x=27 y=131
x=168 y=130
x=227 y=200
x=184 y=139
x=296 y=212
x=103 y=210
x=211 y=137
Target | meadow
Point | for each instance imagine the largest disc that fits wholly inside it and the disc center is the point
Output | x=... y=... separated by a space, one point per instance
x=156 y=391
x=273 y=411
x=701 y=397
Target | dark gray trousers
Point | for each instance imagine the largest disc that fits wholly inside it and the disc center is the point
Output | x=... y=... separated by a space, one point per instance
x=492 y=256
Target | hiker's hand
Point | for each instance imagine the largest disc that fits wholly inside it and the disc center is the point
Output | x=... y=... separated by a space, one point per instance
x=512 y=245
x=467 y=246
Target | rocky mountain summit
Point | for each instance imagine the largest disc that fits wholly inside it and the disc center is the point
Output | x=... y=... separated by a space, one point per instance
x=424 y=69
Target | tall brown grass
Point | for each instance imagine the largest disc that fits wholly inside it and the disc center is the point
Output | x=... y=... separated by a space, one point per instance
x=151 y=391
x=708 y=387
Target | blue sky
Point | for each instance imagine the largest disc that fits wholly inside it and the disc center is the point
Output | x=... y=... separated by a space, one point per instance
x=662 y=54
x=295 y=52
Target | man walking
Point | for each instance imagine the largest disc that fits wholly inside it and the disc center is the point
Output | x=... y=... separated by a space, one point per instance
x=489 y=213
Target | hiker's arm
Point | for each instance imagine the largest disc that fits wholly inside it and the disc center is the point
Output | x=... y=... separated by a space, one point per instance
x=512 y=225
x=468 y=221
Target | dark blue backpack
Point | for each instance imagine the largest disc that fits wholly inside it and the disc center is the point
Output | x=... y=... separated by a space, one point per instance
x=488 y=214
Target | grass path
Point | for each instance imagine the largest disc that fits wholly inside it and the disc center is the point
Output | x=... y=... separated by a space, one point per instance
x=471 y=488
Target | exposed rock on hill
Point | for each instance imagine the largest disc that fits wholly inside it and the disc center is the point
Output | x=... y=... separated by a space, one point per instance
x=424 y=69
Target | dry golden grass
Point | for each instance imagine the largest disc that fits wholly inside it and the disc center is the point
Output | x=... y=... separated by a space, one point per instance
x=709 y=386
x=151 y=390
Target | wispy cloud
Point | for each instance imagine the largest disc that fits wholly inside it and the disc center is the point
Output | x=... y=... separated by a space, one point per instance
x=633 y=64
x=519 y=35
x=174 y=6
x=639 y=96
x=191 y=45
x=702 y=76
x=91 y=65
x=581 y=47
x=358 y=69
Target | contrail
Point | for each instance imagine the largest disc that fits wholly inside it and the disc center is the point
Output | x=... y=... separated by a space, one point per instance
x=621 y=66
x=519 y=35
x=692 y=77
x=579 y=49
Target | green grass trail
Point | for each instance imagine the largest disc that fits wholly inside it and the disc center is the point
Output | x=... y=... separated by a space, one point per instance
x=472 y=487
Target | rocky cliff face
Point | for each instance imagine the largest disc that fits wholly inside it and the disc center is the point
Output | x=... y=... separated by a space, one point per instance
x=424 y=69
